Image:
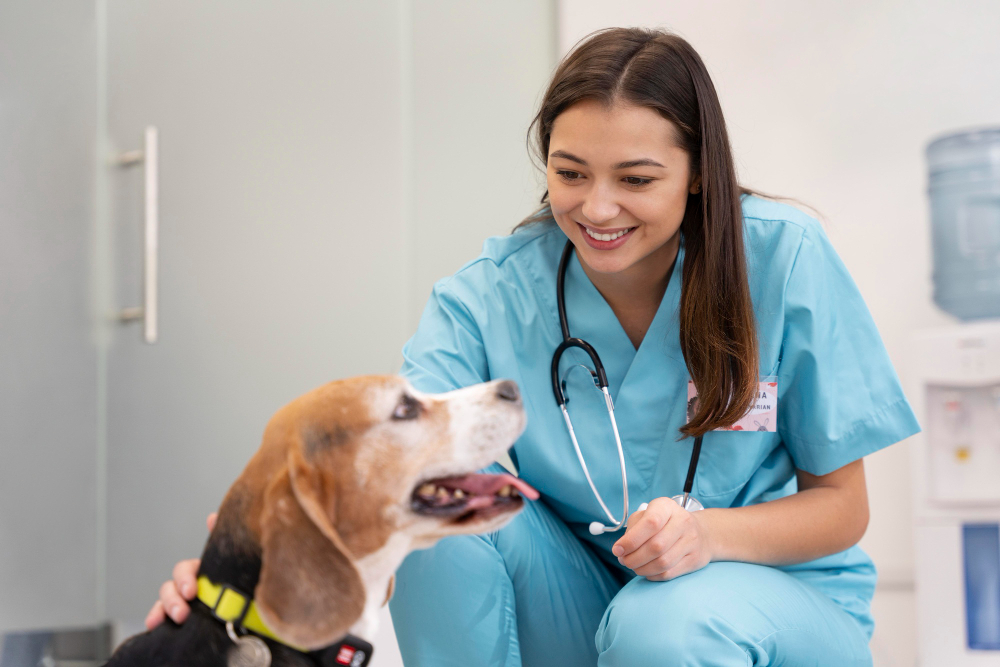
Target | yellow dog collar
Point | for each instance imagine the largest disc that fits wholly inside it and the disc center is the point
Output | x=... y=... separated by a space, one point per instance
x=231 y=606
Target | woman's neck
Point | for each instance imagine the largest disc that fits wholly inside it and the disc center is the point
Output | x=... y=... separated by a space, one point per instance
x=635 y=293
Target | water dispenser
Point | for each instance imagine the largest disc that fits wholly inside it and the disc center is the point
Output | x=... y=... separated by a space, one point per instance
x=964 y=190
x=957 y=485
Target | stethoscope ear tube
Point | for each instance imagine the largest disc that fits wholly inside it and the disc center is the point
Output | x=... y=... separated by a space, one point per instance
x=692 y=466
x=602 y=377
x=560 y=289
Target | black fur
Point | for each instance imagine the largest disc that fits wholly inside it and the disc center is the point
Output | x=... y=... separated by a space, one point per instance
x=200 y=642
x=231 y=556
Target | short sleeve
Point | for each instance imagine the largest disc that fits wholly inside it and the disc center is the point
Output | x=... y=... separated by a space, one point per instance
x=447 y=351
x=839 y=396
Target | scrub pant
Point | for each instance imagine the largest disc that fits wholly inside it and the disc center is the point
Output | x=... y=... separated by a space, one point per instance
x=533 y=594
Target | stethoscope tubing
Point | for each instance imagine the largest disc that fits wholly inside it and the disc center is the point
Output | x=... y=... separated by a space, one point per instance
x=583 y=464
x=601 y=380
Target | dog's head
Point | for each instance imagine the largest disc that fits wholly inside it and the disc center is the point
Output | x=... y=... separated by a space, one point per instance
x=356 y=463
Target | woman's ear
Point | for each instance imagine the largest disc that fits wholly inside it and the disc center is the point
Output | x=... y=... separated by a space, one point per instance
x=309 y=592
x=695 y=185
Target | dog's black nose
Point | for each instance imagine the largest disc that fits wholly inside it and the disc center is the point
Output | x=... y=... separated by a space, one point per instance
x=508 y=391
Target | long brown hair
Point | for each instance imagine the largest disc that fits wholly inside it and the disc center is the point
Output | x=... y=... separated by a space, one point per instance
x=659 y=70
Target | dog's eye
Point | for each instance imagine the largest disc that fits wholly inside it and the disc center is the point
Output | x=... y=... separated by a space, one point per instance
x=408 y=408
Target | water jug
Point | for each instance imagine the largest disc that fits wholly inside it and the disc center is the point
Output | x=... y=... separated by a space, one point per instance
x=964 y=190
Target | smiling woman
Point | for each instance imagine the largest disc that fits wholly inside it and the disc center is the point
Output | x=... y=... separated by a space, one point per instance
x=688 y=285
x=635 y=146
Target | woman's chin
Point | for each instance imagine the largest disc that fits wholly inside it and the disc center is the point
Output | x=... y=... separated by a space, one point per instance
x=606 y=261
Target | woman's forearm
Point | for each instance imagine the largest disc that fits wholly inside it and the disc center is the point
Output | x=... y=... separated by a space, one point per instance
x=827 y=516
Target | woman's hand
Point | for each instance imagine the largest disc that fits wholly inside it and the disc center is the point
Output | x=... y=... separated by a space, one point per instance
x=664 y=541
x=174 y=594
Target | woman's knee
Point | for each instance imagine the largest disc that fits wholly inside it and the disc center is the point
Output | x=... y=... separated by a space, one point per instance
x=726 y=614
x=678 y=622
x=449 y=566
x=458 y=587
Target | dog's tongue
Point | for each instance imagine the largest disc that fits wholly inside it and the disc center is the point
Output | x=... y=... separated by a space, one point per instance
x=486 y=485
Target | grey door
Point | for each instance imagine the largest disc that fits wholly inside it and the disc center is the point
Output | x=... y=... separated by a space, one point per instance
x=320 y=165
x=281 y=246
x=48 y=357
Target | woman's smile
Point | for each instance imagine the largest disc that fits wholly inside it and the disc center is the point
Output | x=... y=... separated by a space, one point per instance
x=606 y=239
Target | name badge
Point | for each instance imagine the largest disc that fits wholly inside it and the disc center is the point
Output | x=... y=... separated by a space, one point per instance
x=763 y=416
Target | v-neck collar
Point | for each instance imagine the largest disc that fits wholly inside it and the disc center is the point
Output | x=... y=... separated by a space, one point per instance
x=591 y=318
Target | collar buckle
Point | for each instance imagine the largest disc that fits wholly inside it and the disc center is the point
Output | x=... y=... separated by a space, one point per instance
x=236 y=620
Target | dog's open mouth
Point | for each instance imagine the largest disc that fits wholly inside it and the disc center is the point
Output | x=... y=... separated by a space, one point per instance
x=471 y=497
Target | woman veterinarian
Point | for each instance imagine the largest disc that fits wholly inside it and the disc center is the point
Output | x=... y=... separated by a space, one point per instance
x=675 y=274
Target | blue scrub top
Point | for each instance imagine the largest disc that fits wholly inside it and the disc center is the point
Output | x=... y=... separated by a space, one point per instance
x=839 y=397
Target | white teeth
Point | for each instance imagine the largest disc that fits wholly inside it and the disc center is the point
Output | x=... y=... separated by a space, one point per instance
x=505 y=491
x=607 y=237
x=433 y=491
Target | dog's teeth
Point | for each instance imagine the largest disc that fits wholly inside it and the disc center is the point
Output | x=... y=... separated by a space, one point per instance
x=459 y=494
x=514 y=493
x=426 y=490
x=442 y=493
x=505 y=491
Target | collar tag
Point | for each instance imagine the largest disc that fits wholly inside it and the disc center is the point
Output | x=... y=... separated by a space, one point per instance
x=247 y=651
x=350 y=651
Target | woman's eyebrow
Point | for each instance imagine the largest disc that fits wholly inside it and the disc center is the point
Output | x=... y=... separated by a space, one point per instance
x=568 y=156
x=643 y=162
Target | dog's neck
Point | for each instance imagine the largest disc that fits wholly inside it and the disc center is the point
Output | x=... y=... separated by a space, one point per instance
x=232 y=556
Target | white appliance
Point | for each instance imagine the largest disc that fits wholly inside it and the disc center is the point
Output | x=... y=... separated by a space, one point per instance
x=957 y=488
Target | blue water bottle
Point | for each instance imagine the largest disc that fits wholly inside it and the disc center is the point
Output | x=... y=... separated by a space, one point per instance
x=964 y=189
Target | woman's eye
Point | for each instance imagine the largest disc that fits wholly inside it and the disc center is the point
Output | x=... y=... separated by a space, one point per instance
x=636 y=180
x=408 y=408
x=569 y=175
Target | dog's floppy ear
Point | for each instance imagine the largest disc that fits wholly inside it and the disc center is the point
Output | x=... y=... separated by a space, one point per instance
x=309 y=592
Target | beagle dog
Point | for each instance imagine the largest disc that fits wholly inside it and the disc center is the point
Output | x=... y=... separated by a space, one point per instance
x=349 y=479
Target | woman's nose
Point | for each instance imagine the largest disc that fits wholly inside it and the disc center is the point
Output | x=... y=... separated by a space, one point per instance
x=599 y=206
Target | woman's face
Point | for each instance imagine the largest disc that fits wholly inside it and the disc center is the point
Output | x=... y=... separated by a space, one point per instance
x=618 y=174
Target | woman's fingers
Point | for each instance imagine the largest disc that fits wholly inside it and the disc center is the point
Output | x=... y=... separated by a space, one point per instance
x=175 y=593
x=659 y=544
x=667 y=559
x=175 y=606
x=687 y=564
x=646 y=524
x=155 y=616
x=186 y=579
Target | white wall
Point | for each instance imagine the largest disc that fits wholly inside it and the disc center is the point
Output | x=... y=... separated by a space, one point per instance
x=833 y=104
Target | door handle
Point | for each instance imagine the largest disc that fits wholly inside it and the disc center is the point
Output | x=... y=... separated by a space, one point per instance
x=148 y=157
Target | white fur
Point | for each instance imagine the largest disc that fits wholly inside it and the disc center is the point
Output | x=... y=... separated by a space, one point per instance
x=481 y=428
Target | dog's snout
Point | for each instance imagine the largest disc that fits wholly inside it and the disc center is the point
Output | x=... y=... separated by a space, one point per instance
x=508 y=391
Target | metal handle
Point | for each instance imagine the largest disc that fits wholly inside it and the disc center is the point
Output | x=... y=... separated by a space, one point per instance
x=149 y=158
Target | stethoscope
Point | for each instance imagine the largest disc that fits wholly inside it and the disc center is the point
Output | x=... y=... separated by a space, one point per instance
x=600 y=378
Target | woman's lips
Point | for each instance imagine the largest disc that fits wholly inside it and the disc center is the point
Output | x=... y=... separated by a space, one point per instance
x=606 y=245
